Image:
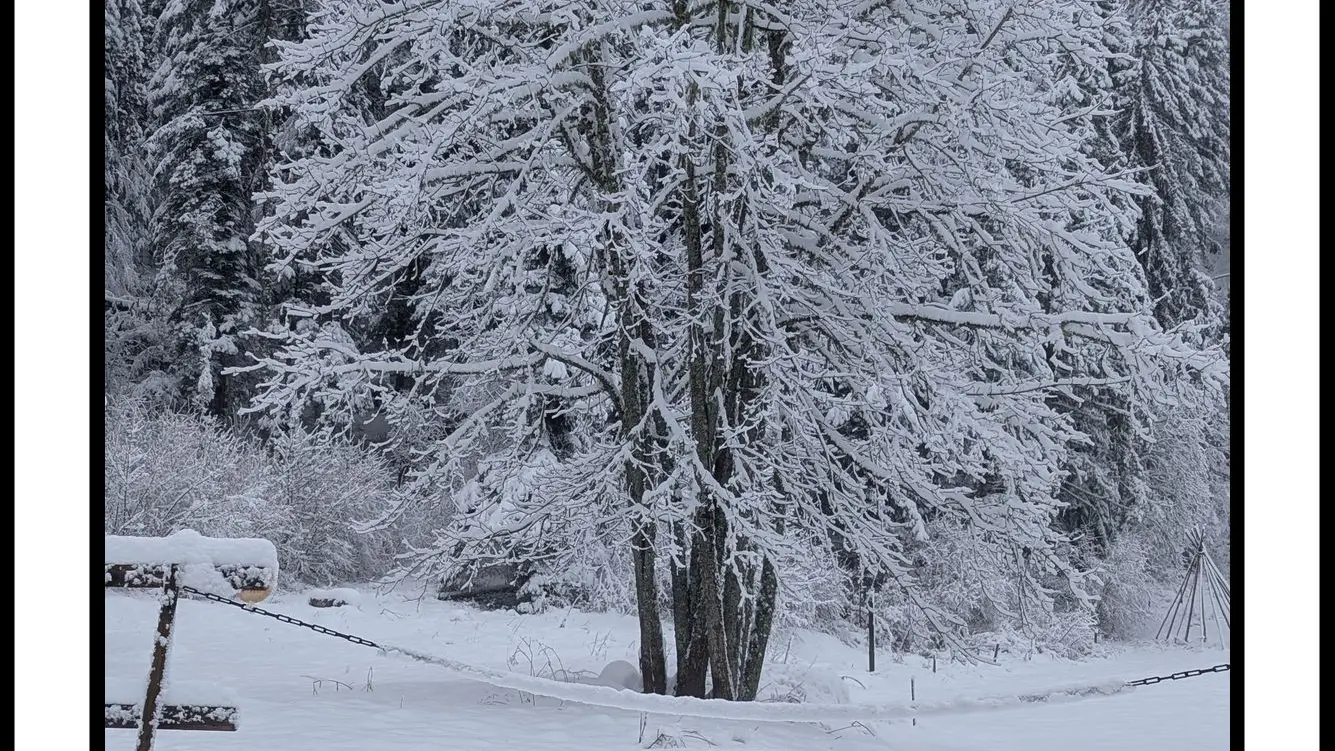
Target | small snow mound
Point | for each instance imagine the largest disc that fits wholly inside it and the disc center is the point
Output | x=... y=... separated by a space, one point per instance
x=802 y=685
x=620 y=674
x=204 y=577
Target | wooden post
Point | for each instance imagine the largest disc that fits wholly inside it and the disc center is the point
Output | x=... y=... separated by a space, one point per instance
x=152 y=712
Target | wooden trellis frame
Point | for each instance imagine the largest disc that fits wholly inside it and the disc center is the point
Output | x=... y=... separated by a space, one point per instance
x=1202 y=600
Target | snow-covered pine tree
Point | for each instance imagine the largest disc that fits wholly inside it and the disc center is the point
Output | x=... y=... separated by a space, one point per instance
x=211 y=148
x=125 y=203
x=805 y=251
x=1148 y=88
x=131 y=338
x=1100 y=482
x=1176 y=126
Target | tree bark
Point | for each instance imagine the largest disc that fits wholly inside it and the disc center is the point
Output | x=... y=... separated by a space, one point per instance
x=653 y=666
x=711 y=590
x=760 y=631
x=692 y=652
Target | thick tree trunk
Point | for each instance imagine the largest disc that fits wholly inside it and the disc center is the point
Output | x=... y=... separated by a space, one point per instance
x=711 y=590
x=760 y=632
x=693 y=660
x=681 y=599
x=733 y=617
x=707 y=649
x=692 y=652
x=653 y=667
x=634 y=400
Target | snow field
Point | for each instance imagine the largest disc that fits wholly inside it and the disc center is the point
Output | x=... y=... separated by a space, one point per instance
x=299 y=690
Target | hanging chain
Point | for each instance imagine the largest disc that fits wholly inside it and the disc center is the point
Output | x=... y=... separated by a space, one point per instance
x=368 y=643
x=284 y=618
x=1178 y=676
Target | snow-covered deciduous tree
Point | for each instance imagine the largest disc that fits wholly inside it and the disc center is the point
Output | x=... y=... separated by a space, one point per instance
x=166 y=471
x=702 y=279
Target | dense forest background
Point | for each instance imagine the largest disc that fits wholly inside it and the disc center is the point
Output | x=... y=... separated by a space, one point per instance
x=735 y=315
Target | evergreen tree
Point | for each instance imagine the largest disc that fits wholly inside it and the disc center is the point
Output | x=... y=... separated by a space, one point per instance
x=125 y=202
x=212 y=146
x=1176 y=126
x=1167 y=80
x=129 y=335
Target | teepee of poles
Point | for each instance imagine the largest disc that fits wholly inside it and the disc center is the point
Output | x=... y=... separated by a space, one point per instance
x=1201 y=607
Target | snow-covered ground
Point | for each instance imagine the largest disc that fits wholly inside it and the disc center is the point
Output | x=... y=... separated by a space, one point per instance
x=298 y=690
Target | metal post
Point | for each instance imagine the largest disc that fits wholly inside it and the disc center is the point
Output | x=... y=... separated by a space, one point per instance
x=871 y=635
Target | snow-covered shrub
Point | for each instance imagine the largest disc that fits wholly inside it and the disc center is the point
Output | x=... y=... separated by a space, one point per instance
x=329 y=489
x=1186 y=477
x=974 y=590
x=1187 y=471
x=1131 y=589
x=167 y=471
x=598 y=578
x=803 y=684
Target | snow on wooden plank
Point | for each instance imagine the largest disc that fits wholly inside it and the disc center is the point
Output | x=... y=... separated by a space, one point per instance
x=122 y=716
x=209 y=564
x=189 y=546
x=221 y=579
